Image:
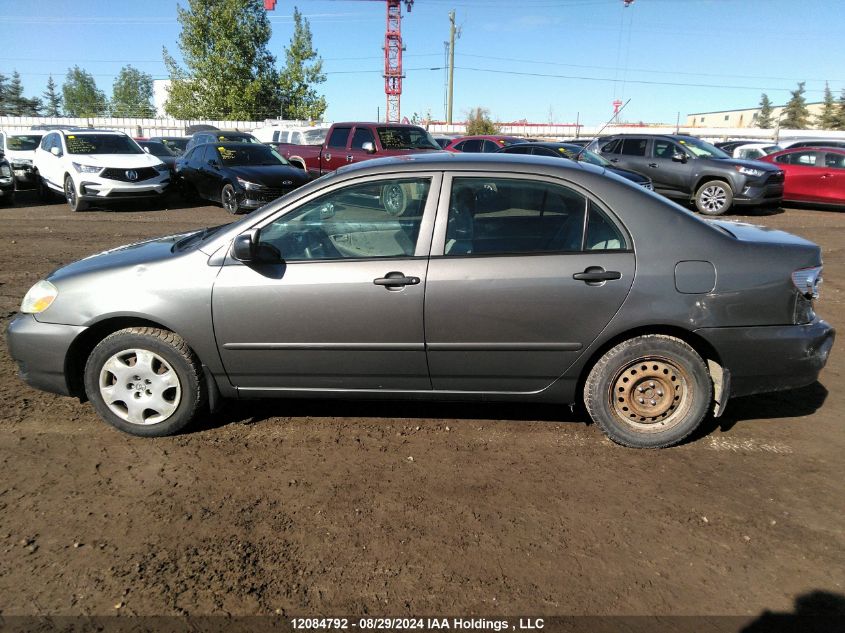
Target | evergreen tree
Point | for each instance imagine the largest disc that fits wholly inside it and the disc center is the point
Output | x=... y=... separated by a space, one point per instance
x=4 y=95
x=81 y=96
x=52 y=100
x=229 y=72
x=303 y=70
x=15 y=103
x=764 y=119
x=132 y=94
x=826 y=120
x=839 y=120
x=795 y=114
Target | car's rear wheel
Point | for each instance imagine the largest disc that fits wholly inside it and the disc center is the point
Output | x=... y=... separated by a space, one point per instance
x=229 y=199
x=45 y=194
x=394 y=199
x=651 y=391
x=72 y=196
x=714 y=197
x=145 y=381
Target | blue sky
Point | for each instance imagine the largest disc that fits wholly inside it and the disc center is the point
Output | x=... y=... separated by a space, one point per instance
x=540 y=60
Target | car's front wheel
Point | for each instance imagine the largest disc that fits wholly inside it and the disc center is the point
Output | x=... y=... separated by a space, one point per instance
x=72 y=196
x=714 y=197
x=651 y=391
x=229 y=199
x=145 y=381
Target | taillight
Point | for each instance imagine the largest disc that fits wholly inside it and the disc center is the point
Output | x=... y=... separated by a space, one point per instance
x=807 y=281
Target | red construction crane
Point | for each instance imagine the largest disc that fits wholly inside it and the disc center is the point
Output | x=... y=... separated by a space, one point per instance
x=392 y=54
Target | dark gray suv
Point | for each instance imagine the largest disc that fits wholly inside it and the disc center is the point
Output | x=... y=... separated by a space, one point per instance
x=685 y=167
x=504 y=278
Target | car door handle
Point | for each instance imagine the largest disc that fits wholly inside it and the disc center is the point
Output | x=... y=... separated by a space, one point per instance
x=652 y=164
x=595 y=274
x=614 y=160
x=826 y=175
x=349 y=158
x=327 y=156
x=396 y=279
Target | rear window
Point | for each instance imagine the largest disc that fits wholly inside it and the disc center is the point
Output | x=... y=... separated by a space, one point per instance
x=23 y=143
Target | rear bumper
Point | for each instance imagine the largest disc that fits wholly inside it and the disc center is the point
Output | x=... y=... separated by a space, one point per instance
x=772 y=358
x=40 y=350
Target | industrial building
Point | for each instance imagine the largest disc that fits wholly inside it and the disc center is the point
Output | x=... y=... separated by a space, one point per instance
x=746 y=117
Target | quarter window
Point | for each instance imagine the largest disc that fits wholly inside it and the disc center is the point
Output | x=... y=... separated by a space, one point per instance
x=364 y=221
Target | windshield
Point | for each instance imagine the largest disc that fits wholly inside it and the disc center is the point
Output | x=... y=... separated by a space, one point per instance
x=23 y=143
x=198 y=237
x=101 y=144
x=157 y=149
x=250 y=155
x=584 y=155
x=405 y=138
x=237 y=138
x=175 y=145
x=701 y=149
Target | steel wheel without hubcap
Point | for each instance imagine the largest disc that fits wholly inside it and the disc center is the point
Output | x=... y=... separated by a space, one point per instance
x=651 y=394
x=229 y=199
x=139 y=386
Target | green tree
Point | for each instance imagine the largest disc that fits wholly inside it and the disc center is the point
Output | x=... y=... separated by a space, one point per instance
x=81 y=96
x=52 y=100
x=764 y=119
x=303 y=70
x=795 y=114
x=132 y=94
x=826 y=120
x=15 y=103
x=229 y=72
x=479 y=122
x=839 y=123
x=4 y=94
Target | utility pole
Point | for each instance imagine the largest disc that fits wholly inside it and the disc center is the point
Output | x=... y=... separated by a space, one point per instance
x=451 y=65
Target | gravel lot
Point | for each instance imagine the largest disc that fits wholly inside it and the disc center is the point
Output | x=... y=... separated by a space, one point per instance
x=404 y=508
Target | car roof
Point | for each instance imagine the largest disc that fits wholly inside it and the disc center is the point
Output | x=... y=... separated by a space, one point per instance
x=233 y=144
x=465 y=161
x=812 y=148
x=90 y=130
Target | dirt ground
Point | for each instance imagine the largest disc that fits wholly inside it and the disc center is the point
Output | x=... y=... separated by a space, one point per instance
x=324 y=508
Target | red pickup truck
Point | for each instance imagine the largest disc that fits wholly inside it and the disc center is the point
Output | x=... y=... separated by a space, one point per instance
x=353 y=142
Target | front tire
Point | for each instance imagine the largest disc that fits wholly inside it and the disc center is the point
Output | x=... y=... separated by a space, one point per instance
x=714 y=197
x=145 y=381
x=229 y=199
x=72 y=196
x=651 y=391
x=45 y=194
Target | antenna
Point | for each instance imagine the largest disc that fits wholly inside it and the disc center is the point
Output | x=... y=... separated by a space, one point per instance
x=598 y=134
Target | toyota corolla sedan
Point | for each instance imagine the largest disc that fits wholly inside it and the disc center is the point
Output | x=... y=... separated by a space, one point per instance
x=508 y=278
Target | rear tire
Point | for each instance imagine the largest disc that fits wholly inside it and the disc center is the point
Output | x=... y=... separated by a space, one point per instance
x=45 y=194
x=145 y=381
x=651 y=391
x=394 y=199
x=714 y=197
x=72 y=196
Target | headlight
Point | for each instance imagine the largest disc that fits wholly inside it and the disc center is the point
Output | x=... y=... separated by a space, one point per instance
x=86 y=169
x=22 y=162
x=163 y=168
x=246 y=184
x=749 y=171
x=39 y=297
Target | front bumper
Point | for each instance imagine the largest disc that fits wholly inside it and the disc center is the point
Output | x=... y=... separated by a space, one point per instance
x=24 y=175
x=772 y=358
x=111 y=189
x=40 y=350
x=760 y=194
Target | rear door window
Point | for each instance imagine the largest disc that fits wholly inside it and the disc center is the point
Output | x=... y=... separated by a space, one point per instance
x=339 y=136
x=634 y=146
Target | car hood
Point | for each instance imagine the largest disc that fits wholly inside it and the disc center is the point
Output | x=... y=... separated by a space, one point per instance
x=127 y=256
x=19 y=154
x=120 y=161
x=740 y=162
x=270 y=175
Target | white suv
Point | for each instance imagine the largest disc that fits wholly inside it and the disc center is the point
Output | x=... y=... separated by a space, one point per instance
x=96 y=165
x=19 y=148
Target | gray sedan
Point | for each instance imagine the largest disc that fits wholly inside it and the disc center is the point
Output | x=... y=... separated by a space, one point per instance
x=496 y=278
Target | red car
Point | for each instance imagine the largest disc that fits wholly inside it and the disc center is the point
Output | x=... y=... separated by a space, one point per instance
x=482 y=143
x=812 y=174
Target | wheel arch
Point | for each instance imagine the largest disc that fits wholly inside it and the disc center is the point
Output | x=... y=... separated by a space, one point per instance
x=702 y=347
x=707 y=178
x=82 y=346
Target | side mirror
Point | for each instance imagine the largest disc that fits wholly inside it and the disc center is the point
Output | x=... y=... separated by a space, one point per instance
x=213 y=162
x=146 y=149
x=369 y=147
x=248 y=248
x=679 y=157
x=55 y=151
